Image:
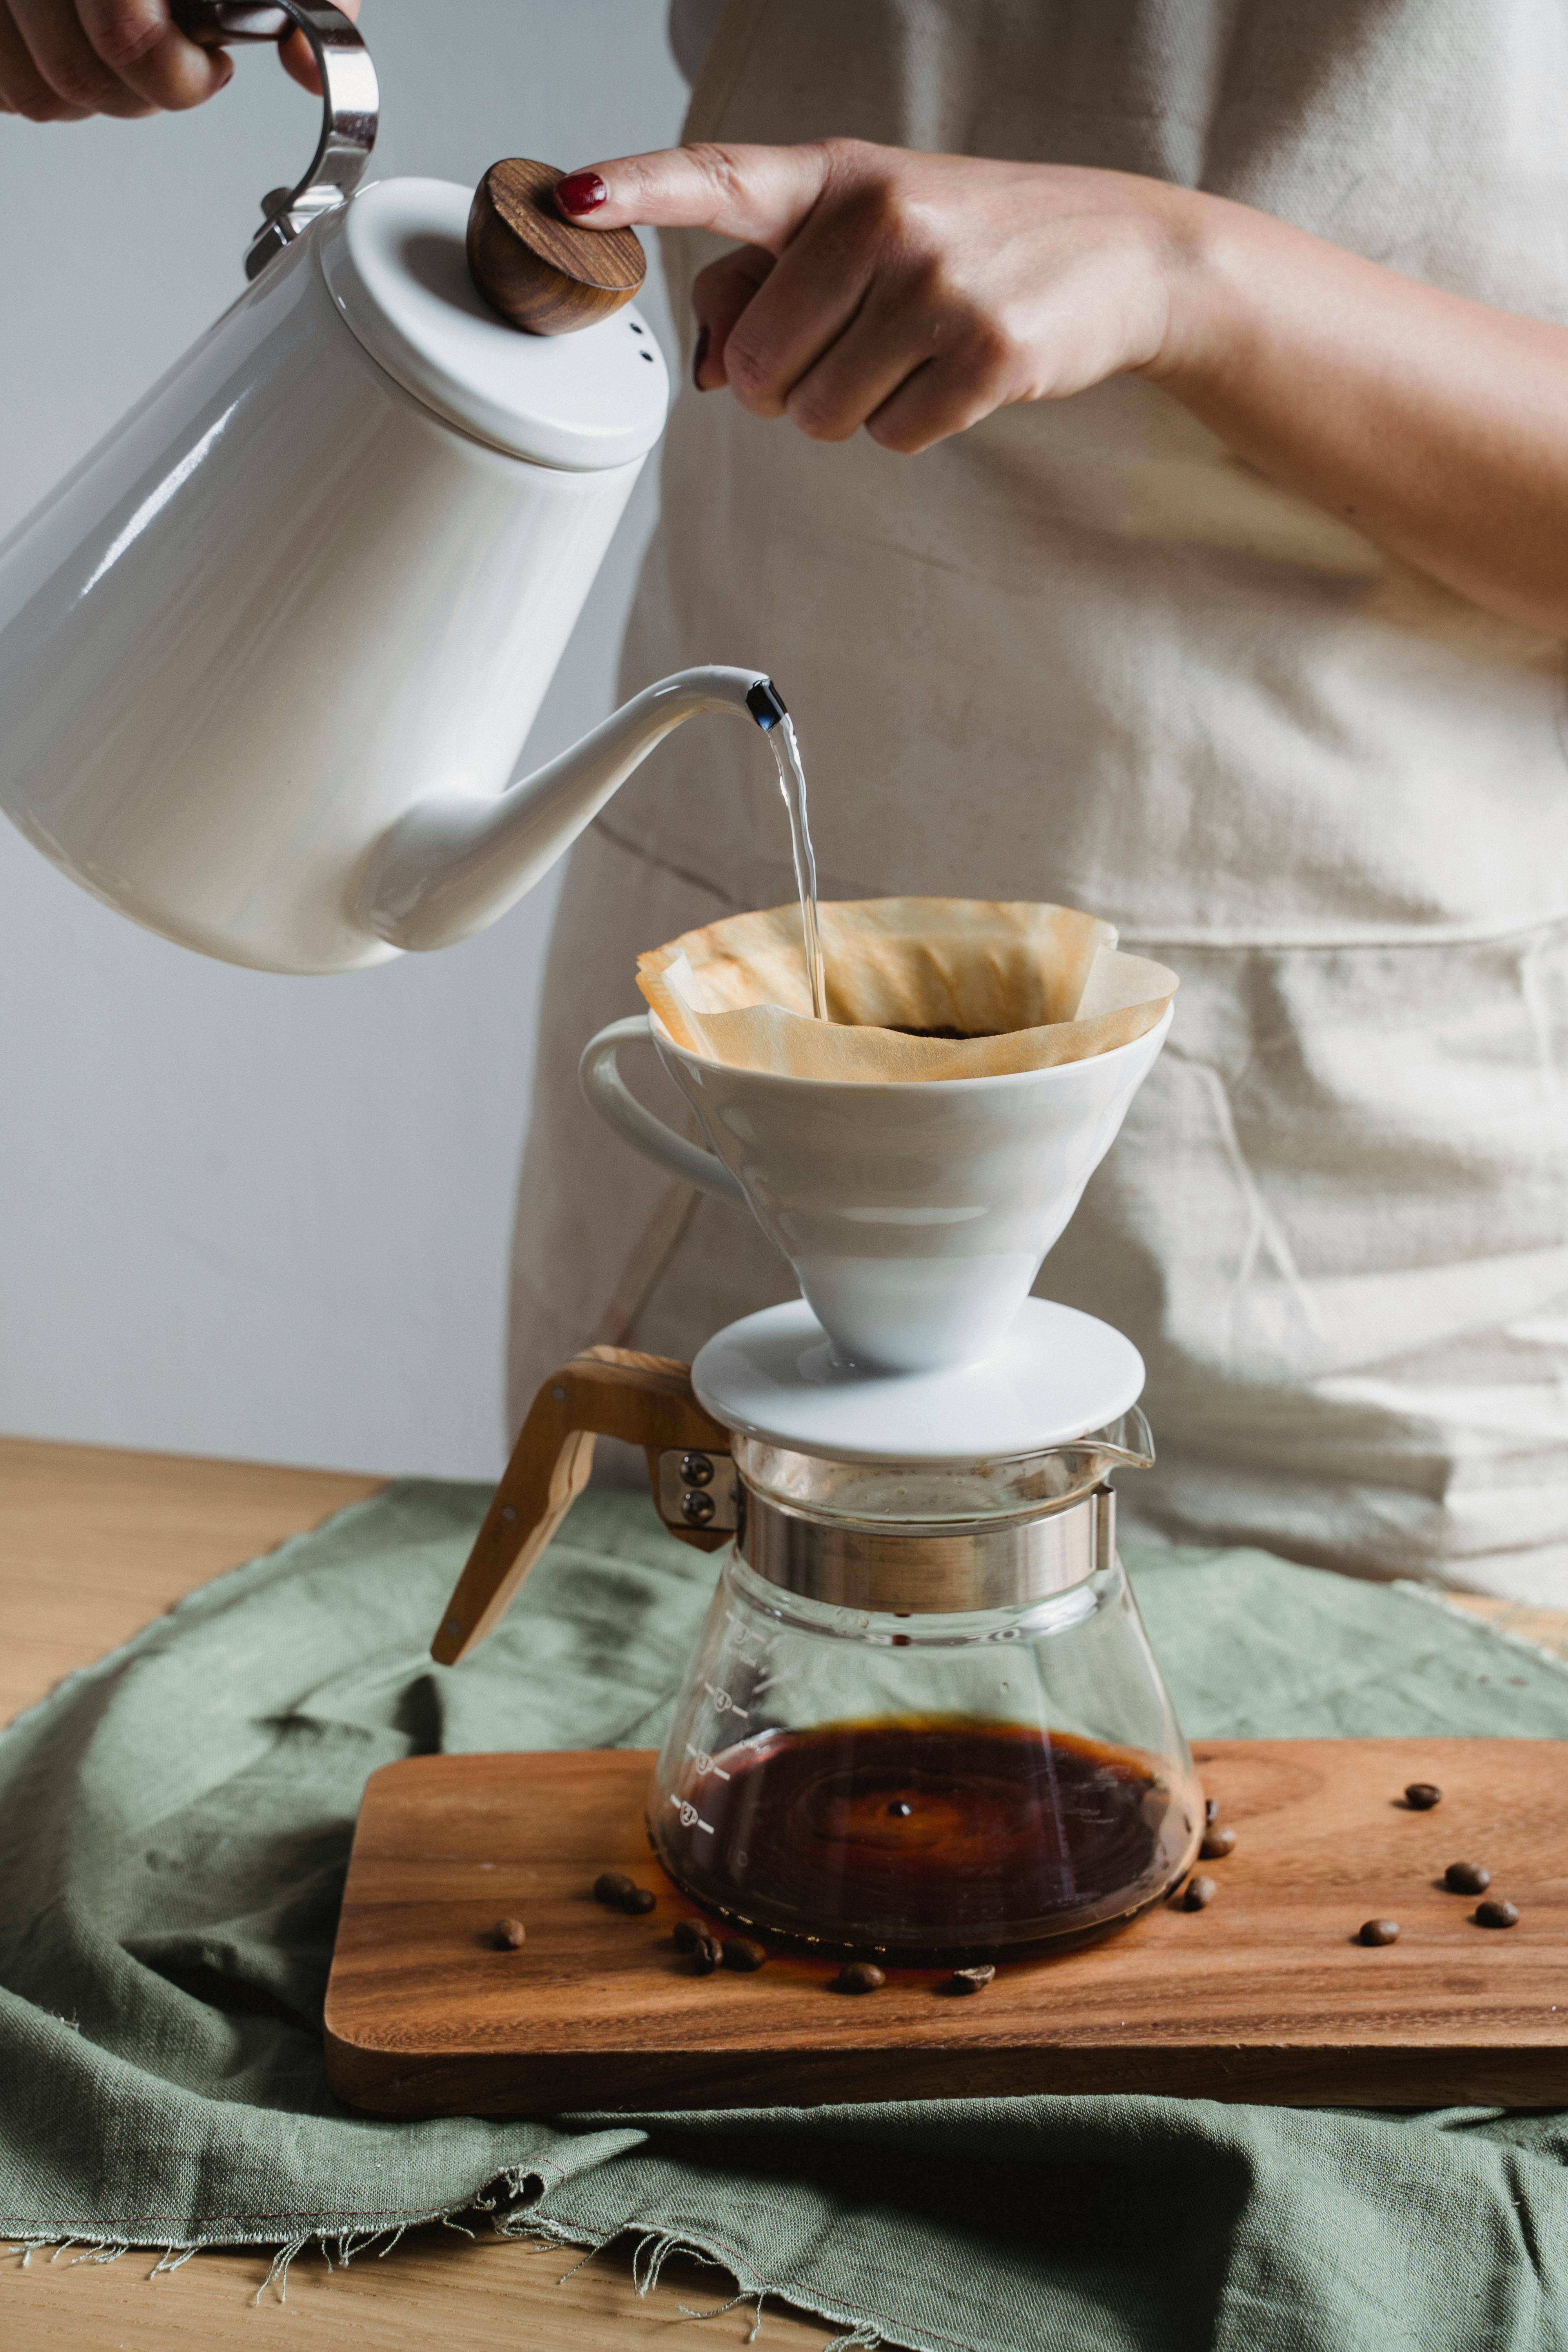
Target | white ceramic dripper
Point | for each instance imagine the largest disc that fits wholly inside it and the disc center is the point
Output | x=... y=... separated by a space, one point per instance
x=916 y=1216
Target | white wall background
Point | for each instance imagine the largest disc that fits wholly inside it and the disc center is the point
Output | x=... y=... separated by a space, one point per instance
x=241 y=1215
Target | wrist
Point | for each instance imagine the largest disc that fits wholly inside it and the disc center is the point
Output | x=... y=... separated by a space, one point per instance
x=1201 y=257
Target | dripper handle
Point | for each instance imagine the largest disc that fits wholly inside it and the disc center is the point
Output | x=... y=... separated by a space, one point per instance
x=604 y=1392
x=598 y=1073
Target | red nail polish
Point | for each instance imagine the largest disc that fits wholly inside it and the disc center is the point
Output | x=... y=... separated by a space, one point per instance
x=700 y=353
x=581 y=192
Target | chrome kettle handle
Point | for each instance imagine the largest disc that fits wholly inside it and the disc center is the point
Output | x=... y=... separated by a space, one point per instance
x=351 y=105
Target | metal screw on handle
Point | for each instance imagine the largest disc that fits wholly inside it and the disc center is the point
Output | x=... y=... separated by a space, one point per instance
x=351 y=105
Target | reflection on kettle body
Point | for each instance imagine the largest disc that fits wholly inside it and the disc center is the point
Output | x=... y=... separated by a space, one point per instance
x=268 y=655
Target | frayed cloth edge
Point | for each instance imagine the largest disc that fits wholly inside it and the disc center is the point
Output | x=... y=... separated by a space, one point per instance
x=339 y=2242
x=517 y=2220
x=859 y=2330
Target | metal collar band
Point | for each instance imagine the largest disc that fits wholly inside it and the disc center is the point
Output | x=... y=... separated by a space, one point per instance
x=911 y=1573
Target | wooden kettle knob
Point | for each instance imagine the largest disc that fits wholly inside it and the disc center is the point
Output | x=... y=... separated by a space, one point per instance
x=536 y=268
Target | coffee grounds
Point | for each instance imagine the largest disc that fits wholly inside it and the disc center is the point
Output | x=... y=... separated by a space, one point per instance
x=956 y=1035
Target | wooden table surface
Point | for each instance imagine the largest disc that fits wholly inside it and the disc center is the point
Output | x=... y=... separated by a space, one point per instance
x=92 y=1544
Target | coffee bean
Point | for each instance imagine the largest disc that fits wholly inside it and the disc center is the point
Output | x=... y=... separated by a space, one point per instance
x=1496 y=1913
x=1211 y=1811
x=706 y=1953
x=1467 y=1878
x=509 y=1935
x=684 y=1934
x=859 y=1975
x=1422 y=1795
x=1379 y=1931
x=1198 y=1894
x=638 y=1899
x=971 y=1980
x=742 y=1955
x=1217 y=1842
x=613 y=1886
x=900 y=1810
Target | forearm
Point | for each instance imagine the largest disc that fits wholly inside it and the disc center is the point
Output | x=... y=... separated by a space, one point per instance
x=1435 y=425
x=912 y=294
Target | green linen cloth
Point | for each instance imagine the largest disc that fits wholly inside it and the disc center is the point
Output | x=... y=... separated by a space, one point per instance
x=173 y=1827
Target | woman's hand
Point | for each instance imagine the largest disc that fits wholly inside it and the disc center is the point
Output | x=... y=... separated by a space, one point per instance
x=909 y=293
x=62 y=61
x=914 y=294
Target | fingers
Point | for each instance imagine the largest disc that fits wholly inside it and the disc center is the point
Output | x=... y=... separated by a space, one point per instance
x=759 y=196
x=22 y=86
x=298 y=58
x=812 y=299
x=60 y=61
x=75 y=80
x=719 y=295
x=859 y=373
x=136 y=41
x=299 y=62
x=939 y=399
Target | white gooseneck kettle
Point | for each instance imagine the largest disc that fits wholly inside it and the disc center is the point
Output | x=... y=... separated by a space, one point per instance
x=268 y=655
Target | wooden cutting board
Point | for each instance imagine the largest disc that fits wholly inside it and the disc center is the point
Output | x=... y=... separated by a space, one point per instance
x=1264 y=1995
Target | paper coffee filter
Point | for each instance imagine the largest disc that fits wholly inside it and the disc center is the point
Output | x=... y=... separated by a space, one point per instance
x=1022 y=986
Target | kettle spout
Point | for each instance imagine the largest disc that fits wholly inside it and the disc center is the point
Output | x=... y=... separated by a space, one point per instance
x=455 y=861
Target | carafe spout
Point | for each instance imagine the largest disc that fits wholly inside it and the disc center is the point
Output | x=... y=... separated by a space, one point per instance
x=455 y=861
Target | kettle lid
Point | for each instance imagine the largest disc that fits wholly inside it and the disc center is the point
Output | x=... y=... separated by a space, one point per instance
x=395 y=266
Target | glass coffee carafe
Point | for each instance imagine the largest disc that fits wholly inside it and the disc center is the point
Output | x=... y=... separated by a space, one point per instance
x=924 y=1721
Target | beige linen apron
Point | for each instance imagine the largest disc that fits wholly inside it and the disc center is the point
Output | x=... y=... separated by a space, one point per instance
x=1083 y=653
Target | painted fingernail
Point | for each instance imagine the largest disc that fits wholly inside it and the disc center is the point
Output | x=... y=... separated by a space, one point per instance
x=581 y=192
x=699 y=355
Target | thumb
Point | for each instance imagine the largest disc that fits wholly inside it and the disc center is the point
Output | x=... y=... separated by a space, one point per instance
x=759 y=196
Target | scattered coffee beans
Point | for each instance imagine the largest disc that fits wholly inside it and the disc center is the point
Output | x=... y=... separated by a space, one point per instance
x=706 y=1953
x=1422 y=1795
x=859 y=1975
x=1467 y=1878
x=1211 y=1811
x=684 y=1934
x=740 y=1953
x=1198 y=1894
x=508 y=1935
x=1379 y=1931
x=1218 y=1843
x=971 y=1980
x=619 y=1892
x=1496 y=1913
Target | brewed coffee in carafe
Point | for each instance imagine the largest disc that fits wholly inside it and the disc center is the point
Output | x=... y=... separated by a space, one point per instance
x=923 y=1720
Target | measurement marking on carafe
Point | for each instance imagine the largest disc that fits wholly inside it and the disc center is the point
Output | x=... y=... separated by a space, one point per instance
x=723 y=1702
x=704 y=1762
x=689 y=1816
x=741 y=1633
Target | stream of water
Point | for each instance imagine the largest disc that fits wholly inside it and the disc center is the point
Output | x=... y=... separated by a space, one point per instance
x=792 y=783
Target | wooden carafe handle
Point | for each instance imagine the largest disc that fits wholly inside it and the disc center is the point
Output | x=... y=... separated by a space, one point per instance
x=604 y=1392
